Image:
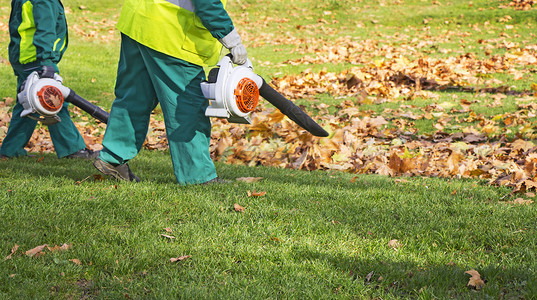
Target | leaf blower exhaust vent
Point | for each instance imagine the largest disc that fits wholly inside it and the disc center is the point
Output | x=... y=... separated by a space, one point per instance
x=247 y=95
x=50 y=97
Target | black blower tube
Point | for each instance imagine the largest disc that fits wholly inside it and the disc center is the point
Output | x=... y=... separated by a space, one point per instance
x=92 y=109
x=292 y=111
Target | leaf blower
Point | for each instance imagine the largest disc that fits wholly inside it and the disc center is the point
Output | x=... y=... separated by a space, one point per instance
x=45 y=96
x=234 y=93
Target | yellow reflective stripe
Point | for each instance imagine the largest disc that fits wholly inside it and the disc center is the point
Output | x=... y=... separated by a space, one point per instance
x=64 y=42
x=55 y=43
x=28 y=52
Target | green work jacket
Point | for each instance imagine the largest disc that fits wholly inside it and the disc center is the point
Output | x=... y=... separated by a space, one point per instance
x=38 y=34
x=185 y=29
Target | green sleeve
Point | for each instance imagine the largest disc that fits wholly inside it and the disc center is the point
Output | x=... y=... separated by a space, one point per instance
x=46 y=14
x=214 y=17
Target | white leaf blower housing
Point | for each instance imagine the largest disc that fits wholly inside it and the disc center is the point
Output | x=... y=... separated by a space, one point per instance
x=44 y=96
x=234 y=94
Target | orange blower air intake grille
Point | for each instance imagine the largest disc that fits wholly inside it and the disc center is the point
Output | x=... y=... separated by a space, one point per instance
x=247 y=95
x=50 y=97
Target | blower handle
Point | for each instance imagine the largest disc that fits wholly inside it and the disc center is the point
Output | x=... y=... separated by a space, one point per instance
x=289 y=109
x=92 y=109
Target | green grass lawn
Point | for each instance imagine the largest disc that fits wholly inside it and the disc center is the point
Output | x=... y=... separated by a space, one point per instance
x=312 y=235
x=320 y=234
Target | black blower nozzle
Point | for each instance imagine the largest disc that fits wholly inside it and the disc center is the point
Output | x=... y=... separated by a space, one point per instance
x=92 y=109
x=292 y=111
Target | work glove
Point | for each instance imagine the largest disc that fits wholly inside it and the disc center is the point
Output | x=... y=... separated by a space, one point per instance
x=46 y=72
x=232 y=41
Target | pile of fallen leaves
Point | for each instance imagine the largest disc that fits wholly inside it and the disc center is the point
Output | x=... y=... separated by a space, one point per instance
x=522 y=4
x=361 y=141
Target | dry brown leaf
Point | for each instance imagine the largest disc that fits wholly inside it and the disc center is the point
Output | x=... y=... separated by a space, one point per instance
x=475 y=281
x=256 y=194
x=98 y=177
x=368 y=276
x=238 y=208
x=35 y=251
x=522 y=201
x=168 y=230
x=180 y=258
x=76 y=261
x=63 y=247
x=167 y=236
x=249 y=179
x=13 y=250
x=394 y=244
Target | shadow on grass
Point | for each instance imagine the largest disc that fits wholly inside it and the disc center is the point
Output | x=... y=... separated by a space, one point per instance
x=432 y=85
x=410 y=279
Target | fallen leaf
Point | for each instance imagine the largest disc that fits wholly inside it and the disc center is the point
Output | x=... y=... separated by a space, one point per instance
x=76 y=261
x=522 y=201
x=180 y=258
x=35 y=251
x=63 y=247
x=475 y=281
x=394 y=244
x=13 y=250
x=256 y=194
x=368 y=276
x=168 y=229
x=238 y=208
x=249 y=179
x=168 y=236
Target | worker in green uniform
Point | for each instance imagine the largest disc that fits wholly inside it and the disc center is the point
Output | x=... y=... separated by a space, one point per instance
x=38 y=40
x=164 y=47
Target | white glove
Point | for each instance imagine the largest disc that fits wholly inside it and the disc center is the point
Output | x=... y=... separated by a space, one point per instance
x=232 y=41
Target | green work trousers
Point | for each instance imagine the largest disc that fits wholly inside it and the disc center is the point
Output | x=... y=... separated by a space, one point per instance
x=64 y=135
x=146 y=77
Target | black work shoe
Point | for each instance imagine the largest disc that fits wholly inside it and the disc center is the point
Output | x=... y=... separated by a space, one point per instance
x=84 y=154
x=216 y=180
x=119 y=172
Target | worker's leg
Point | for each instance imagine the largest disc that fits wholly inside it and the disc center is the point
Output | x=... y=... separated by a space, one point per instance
x=64 y=135
x=177 y=84
x=135 y=99
x=18 y=134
